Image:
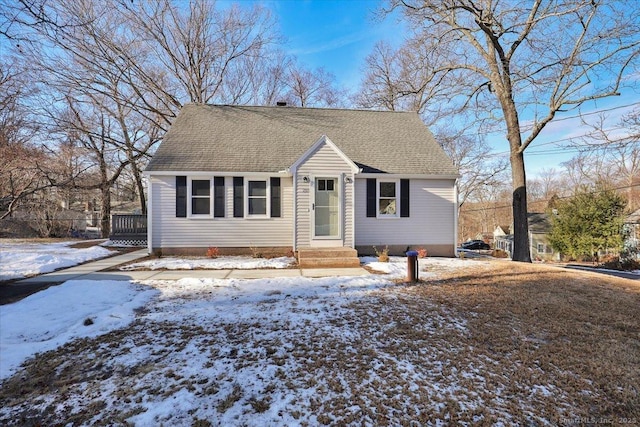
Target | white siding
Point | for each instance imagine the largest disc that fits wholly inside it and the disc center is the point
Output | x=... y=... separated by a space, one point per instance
x=431 y=218
x=323 y=162
x=171 y=232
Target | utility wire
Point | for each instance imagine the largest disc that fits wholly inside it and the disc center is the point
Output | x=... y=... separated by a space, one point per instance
x=560 y=119
x=558 y=198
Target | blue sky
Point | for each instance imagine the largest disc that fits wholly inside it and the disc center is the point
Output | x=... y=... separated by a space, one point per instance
x=338 y=35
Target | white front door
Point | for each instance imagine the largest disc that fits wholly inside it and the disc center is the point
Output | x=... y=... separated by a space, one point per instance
x=326 y=208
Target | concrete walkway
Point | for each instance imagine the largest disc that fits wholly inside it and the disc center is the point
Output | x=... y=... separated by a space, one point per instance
x=93 y=271
x=83 y=270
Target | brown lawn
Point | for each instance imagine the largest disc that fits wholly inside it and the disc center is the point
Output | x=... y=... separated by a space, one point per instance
x=504 y=343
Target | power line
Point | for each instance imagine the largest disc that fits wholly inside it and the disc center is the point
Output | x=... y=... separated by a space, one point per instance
x=624 y=187
x=563 y=149
x=604 y=110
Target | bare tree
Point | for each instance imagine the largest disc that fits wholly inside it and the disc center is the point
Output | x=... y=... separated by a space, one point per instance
x=530 y=59
x=311 y=88
x=613 y=153
x=472 y=156
x=401 y=80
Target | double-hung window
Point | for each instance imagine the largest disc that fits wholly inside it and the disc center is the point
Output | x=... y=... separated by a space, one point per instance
x=257 y=198
x=201 y=197
x=388 y=200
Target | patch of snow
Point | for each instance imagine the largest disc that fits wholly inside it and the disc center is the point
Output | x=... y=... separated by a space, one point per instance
x=220 y=263
x=52 y=317
x=19 y=260
x=397 y=266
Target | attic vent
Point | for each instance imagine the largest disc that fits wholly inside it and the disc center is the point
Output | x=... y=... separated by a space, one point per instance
x=281 y=103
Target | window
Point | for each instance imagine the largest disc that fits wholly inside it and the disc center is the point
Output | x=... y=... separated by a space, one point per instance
x=326 y=184
x=200 y=197
x=540 y=248
x=388 y=198
x=257 y=198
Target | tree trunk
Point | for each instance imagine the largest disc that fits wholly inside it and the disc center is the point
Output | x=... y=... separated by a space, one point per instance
x=520 y=221
x=105 y=212
x=140 y=187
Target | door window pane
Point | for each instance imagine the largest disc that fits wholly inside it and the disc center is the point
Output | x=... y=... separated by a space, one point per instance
x=327 y=214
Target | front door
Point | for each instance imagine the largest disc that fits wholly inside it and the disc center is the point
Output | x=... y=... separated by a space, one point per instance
x=326 y=208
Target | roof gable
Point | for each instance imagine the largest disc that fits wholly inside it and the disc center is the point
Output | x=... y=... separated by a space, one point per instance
x=324 y=140
x=226 y=138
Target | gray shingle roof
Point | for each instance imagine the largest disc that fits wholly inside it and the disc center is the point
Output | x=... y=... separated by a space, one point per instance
x=270 y=139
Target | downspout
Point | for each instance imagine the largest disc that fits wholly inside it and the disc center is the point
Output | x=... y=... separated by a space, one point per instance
x=295 y=209
x=455 y=217
x=149 y=216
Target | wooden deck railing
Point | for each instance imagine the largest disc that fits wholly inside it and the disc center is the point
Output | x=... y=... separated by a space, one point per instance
x=129 y=226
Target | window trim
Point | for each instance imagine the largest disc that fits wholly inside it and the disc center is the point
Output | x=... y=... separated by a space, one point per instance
x=190 y=197
x=267 y=181
x=397 y=198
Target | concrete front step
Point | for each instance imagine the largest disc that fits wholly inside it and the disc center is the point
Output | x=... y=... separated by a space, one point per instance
x=305 y=253
x=329 y=262
x=328 y=258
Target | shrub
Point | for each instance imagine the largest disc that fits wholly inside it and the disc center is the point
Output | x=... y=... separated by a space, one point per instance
x=213 y=252
x=617 y=263
x=422 y=253
x=255 y=252
x=499 y=253
x=383 y=255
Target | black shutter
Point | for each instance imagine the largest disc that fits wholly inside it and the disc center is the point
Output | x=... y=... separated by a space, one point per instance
x=181 y=196
x=404 y=198
x=238 y=197
x=218 y=197
x=371 y=198
x=276 y=209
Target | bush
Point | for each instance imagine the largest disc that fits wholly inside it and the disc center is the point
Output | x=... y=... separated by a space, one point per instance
x=499 y=253
x=383 y=255
x=213 y=252
x=422 y=253
x=617 y=263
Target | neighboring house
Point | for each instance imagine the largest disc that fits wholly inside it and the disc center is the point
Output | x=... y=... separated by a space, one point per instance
x=539 y=228
x=501 y=230
x=283 y=178
x=632 y=233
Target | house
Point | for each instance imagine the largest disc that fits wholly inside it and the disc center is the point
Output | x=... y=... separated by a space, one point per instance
x=539 y=247
x=276 y=179
x=632 y=234
x=501 y=230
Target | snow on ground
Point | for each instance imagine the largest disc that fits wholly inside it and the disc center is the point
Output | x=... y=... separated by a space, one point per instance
x=267 y=352
x=220 y=263
x=19 y=259
x=56 y=315
x=397 y=266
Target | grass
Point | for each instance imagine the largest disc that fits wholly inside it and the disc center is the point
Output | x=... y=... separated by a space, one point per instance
x=508 y=343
